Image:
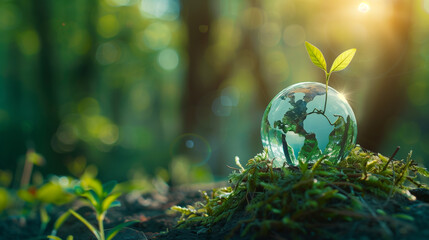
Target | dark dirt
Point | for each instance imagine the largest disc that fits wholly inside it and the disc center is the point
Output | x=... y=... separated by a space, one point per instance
x=156 y=222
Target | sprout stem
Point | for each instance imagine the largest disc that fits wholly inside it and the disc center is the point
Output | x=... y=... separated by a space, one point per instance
x=326 y=95
x=100 y=219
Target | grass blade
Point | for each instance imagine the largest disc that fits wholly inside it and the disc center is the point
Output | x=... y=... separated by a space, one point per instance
x=87 y=224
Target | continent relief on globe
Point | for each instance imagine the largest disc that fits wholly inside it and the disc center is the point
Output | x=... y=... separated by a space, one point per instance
x=326 y=134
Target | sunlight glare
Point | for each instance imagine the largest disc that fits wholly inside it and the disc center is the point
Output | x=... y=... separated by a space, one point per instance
x=342 y=96
x=426 y=5
x=363 y=7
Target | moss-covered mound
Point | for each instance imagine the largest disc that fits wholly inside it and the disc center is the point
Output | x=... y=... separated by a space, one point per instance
x=366 y=194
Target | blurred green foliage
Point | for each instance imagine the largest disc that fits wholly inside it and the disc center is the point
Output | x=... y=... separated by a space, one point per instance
x=119 y=84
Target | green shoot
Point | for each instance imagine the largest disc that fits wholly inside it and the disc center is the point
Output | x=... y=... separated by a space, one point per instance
x=101 y=199
x=340 y=63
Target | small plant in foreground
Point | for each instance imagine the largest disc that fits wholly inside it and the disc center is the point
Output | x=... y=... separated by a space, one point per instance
x=101 y=199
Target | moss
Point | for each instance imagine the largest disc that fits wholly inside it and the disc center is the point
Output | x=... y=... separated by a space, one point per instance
x=296 y=199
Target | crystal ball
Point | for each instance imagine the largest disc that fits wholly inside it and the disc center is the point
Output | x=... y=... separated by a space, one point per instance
x=302 y=125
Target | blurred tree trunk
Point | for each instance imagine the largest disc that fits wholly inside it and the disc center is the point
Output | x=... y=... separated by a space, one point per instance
x=12 y=137
x=46 y=86
x=388 y=97
x=201 y=80
x=196 y=14
x=84 y=72
x=251 y=44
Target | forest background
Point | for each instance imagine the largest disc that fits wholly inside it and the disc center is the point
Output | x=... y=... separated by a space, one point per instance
x=143 y=88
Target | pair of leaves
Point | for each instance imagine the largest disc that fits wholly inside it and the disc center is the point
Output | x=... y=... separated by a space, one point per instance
x=101 y=200
x=340 y=63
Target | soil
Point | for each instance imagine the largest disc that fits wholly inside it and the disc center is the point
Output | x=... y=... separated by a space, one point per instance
x=157 y=222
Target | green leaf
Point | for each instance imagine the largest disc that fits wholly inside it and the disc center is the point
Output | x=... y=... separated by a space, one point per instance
x=53 y=237
x=109 y=200
x=94 y=195
x=69 y=237
x=61 y=219
x=109 y=186
x=87 y=224
x=115 y=204
x=118 y=228
x=403 y=216
x=422 y=171
x=78 y=190
x=316 y=56
x=343 y=60
x=44 y=218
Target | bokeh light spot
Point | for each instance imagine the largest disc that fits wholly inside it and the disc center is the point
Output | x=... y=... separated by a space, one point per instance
x=108 y=53
x=157 y=36
x=108 y=26
x=164 y=9
x=192 y=147
x=109 y=134
x=28 y=42
x=88 y=106
x=189 y=144
x=168 y=59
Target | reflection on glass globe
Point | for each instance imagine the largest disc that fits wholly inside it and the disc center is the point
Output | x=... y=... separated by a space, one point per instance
x=296 y=126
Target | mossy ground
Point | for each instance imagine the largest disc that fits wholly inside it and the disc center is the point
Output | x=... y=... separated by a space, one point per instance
x=364 y=195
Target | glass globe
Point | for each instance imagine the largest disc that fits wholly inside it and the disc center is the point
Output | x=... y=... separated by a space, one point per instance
x=298 y=126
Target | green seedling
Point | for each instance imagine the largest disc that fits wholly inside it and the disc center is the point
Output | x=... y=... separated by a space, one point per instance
x=101 y=199
x=340 y=63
